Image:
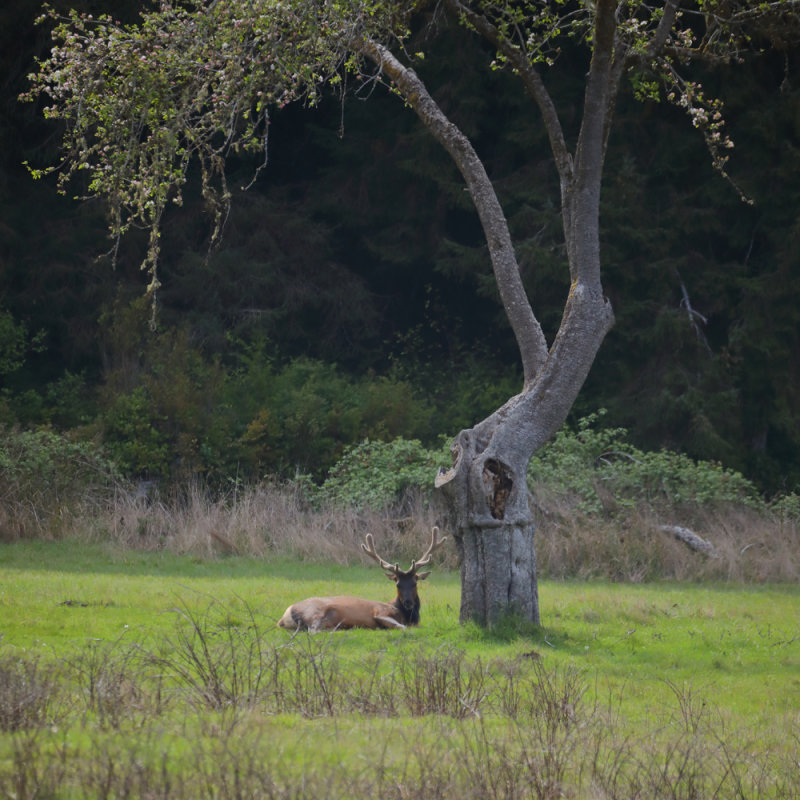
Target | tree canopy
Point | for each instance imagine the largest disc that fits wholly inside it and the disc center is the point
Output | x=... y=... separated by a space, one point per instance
x=198 y=81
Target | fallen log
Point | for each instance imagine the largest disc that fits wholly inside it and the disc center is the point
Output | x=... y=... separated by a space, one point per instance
x=689 y=538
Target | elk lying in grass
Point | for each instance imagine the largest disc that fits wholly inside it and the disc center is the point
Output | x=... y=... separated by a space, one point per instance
x=333 y=613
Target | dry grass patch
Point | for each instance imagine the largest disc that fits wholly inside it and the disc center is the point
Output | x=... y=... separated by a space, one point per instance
x=621 y=542
x=630 y=545
x=636 y=545
x=260 y=521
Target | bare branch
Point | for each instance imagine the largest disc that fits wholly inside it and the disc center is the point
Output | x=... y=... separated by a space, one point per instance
x=527 y=330
x=598 y=90
x=664 y=28
x=531 y=79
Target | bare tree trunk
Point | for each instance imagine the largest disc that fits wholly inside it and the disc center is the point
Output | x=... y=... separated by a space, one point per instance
x=494 y=527
x=498 y=573
x=487 y=484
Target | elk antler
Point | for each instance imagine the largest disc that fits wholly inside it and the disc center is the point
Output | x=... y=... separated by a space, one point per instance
x=369 y=549
x=435 y=544
x=393 y=570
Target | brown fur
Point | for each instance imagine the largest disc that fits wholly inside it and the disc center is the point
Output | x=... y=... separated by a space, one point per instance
x=334 y=613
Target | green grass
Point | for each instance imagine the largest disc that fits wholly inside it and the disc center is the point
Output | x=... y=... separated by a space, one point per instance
x=739 y=645
x=649 y=654
x=56 y=593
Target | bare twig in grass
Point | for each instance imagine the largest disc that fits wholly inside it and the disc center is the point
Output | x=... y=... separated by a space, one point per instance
x=31 y=694
x=113 y=682
x=443 y=682
x=218 y=661
x=36 y=771
x=507 y=730
x=314 y=677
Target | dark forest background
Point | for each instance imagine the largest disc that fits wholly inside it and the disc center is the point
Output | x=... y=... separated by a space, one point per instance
x=352 y=294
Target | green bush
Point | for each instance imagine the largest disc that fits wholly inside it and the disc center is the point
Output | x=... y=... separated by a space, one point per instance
x=172 y=412
x=164 y=413
x=596 y=469
x=378 y=474
x=132 y=437
x=786 y=508
x=604 y=472
x=13 y=342
x=66 y=403
x=43 y=474
x=302 y=415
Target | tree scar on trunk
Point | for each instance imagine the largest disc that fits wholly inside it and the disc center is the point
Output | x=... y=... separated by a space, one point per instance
x=497 y=479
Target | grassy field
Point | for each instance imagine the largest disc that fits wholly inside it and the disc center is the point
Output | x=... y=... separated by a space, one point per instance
x=131 y=674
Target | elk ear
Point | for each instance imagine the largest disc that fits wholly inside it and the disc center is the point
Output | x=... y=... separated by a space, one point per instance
x=391 y=576
x=422 y=575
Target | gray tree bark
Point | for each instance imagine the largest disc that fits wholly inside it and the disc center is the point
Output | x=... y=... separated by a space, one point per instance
x=487 y=484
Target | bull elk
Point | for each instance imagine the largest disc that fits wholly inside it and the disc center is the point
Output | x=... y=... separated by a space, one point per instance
x=334 y=613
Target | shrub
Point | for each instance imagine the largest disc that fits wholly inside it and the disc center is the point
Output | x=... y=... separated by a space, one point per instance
x=30 y=693
x=132 y=437
x=595 y=469
x=15 y=343
x=786 y=508
x=377 y=474
x=302 y=415
x=603 y=472
x=43 y=475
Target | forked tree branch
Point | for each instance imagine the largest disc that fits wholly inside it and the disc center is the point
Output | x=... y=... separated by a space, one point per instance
x=664 y=28
x=531 y=79
x=527 y=330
